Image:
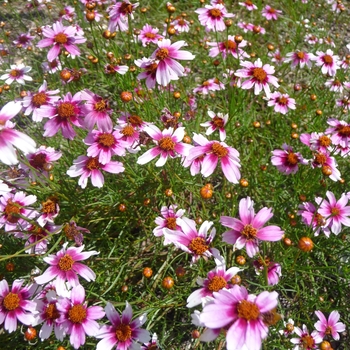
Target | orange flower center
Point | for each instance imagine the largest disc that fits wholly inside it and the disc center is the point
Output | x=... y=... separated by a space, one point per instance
x=152 y=67
x=218 y=122
x=219 y=150
x=272 y=10
x=216 y=283
x=324 y=141
x=12 y=210
x=249 y=3
x=335 y=211
x=198 y=246
x=77 y=313
x=162 y=54
x=320 y=220
x=106 y=139
x=150 y=35
x=166 y=144
x=49 y=207
x=101 y=106
x=320 y=158
x=65 y=263
x=123 y=332
x=230 y=45
x=327 y=59
x=307 y=342
x=39 y=99
x=128 y=131
x=51 y=312
x=216 y=13
x=328 y=330
x=65 y=110
x=344 y=130
x=292 y=158
x=259 y=74
x=248 y=310
x=282 y=100
x=125 y=8
x=249 y=231
x=15 y=73
x=61 y=38
x=135 y=120
x=11 y=301
x=92 y=164
x=171 y=223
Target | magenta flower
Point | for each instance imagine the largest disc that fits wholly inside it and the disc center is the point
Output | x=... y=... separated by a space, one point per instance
x=248 y=5
x=331 y=326
x=248 y=230
x=317 y=141
x=153 y=344
x=209 y=85
x=243 y=315
x=339 y=131
x=328 y=61
x=10 y=137
x=85 y=167
x=335 y=212
x=24 y=40
x=306 y=341
x=218 y=122
x=61 y=37
x=212 y=152
x=228 y=47
x=77 y=319
x=168 y=68
x=65 y=266
x=123 y=333
x=168 y=145
x=216 y=280
x=119 y=14
x=281 y=102
x=327 y=163
x=212 y=17
x=270 y=13
x=286 y=160
x=150 y=66
x=259 y=76
x=148 y=35
x=274 y=270
x=311 y=217
x=15 y=305
x=17 y=73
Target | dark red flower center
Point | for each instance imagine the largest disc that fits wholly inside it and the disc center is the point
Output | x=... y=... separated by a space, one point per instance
x=125 y=8
x=282 y=100
x=218 y=122
x=135 y=120
x=344 y=130
x=51 y=312
x=12 y=210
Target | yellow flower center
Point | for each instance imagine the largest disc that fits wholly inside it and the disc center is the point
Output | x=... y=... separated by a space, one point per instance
x=335 y=211
x=216 y=283
x=39 y=99
x=259 y=74
x=77 y=313
x=65 y=110
x=106 y=140
x=162 y=54
x=249 y=231
x=248 y=310
x=219 y=150
x=11 y=301
x=307 y=342
x=123 y=332
x=198 y=246
x=65 y=263
x=61 y=38
x=320 y=158
x=166 y=144
x=324 y=141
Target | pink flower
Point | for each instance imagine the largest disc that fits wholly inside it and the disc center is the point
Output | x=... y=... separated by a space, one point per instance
x=216 y=280
x=248 y=5
x=61 y=37
x=335 y=212
x=274 y=270
x=150 y=66
x=191 y=241
x=281 y=102
x=259 y=76
x=148 y=35
x=270 y=13
x=15 y=305
x=311 y=217
x=77 y=319
x=209 y=85
x=123 y=333
x=119 y=14
x=335 y=85
x=10 y=137
x=331 y=326
x=168 y=68
x=52 y=67
x=181 y=25
x=168 y=145
x=68 y=13
x=228 y=47
x=17 y=73
x=340 y=132
x=276 y=57
x=85 y=167
x=317 y=141
x=243 y=315
x=248 y=230
x=212 y=17
x=327 y=163
x=286 y=160
x=24 y=40
x=112 y=69
x=218 y=122
x=212 y=152
x=75 y=232
x=66 y=266
x=328 y=61
x=306 y=341
x=300 y=58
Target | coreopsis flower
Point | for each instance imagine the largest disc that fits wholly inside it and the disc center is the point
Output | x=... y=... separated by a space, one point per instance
x=336 y=212
x=311 y=39
x=181 y=25
x=169 y=219
x=258 y=76
x=68 y=13
x=299 y=58
x=244 y=25
x=41 y=161
x=119 y=14
x=24 y=40
x=191 y=241
x=248 y=4
x=276 y=57
x=244 y=316
x=150 y=66
x=274 y=270
x=124 y=333
x=327 y=163
x=10 y=137
x=256 y=29
x=228 y=47
x=339 y=131
x=317 y=141
x=52 y=67
x=213 y=151
x=331 y=326
x=66 y=266
x=306 y=341
x=113 y=68
x=15 y=305
x=311 y=217
x=75 y=232
x=216 y=280
x=286 y=161
x=288 y=327
x=15 y=206
x=270 y=13
x=86 y=167
x=49 y=210
x=209 y=85
x=17 y=73
x=153 y=344
x=218 y=122
x=212 y=17
x=61 y=37
x=335 y=85
x=133 y=120
x=248 y=230
x=168 y=68
x=148 y=35
x=328 y=62
x=168 y=145
x=281 y=102
x=344 y=102
x=77 y=319
x=33 y=101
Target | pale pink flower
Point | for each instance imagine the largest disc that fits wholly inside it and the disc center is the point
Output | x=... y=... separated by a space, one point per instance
x=10 y=137
x=212 y=17
x=248 y=5
x=317 y=141
x=17 y=73
x=331 y=326
x=61 y=37
x=148 y=35
x=248 y=230
x=311 y=39
x=209 y=85
x=218 y=122
x=86 y=167
x=306 y=341
x=270 y=13
x=255 y=28
x=15 y=305
x=228 y=47
x=281 y=102
x=334 y=85
x=153 y=344
x=344 y=102
x=328 y=62
x=258 y=76
x=65 y=266
x=123 y=333
x=244 y=25
x=4 y=188
x=288 y=327
x=300 y=58
x=68 y=13
x=242 y=314
x=119 y=14
x=181 y=25
x=77 y=319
